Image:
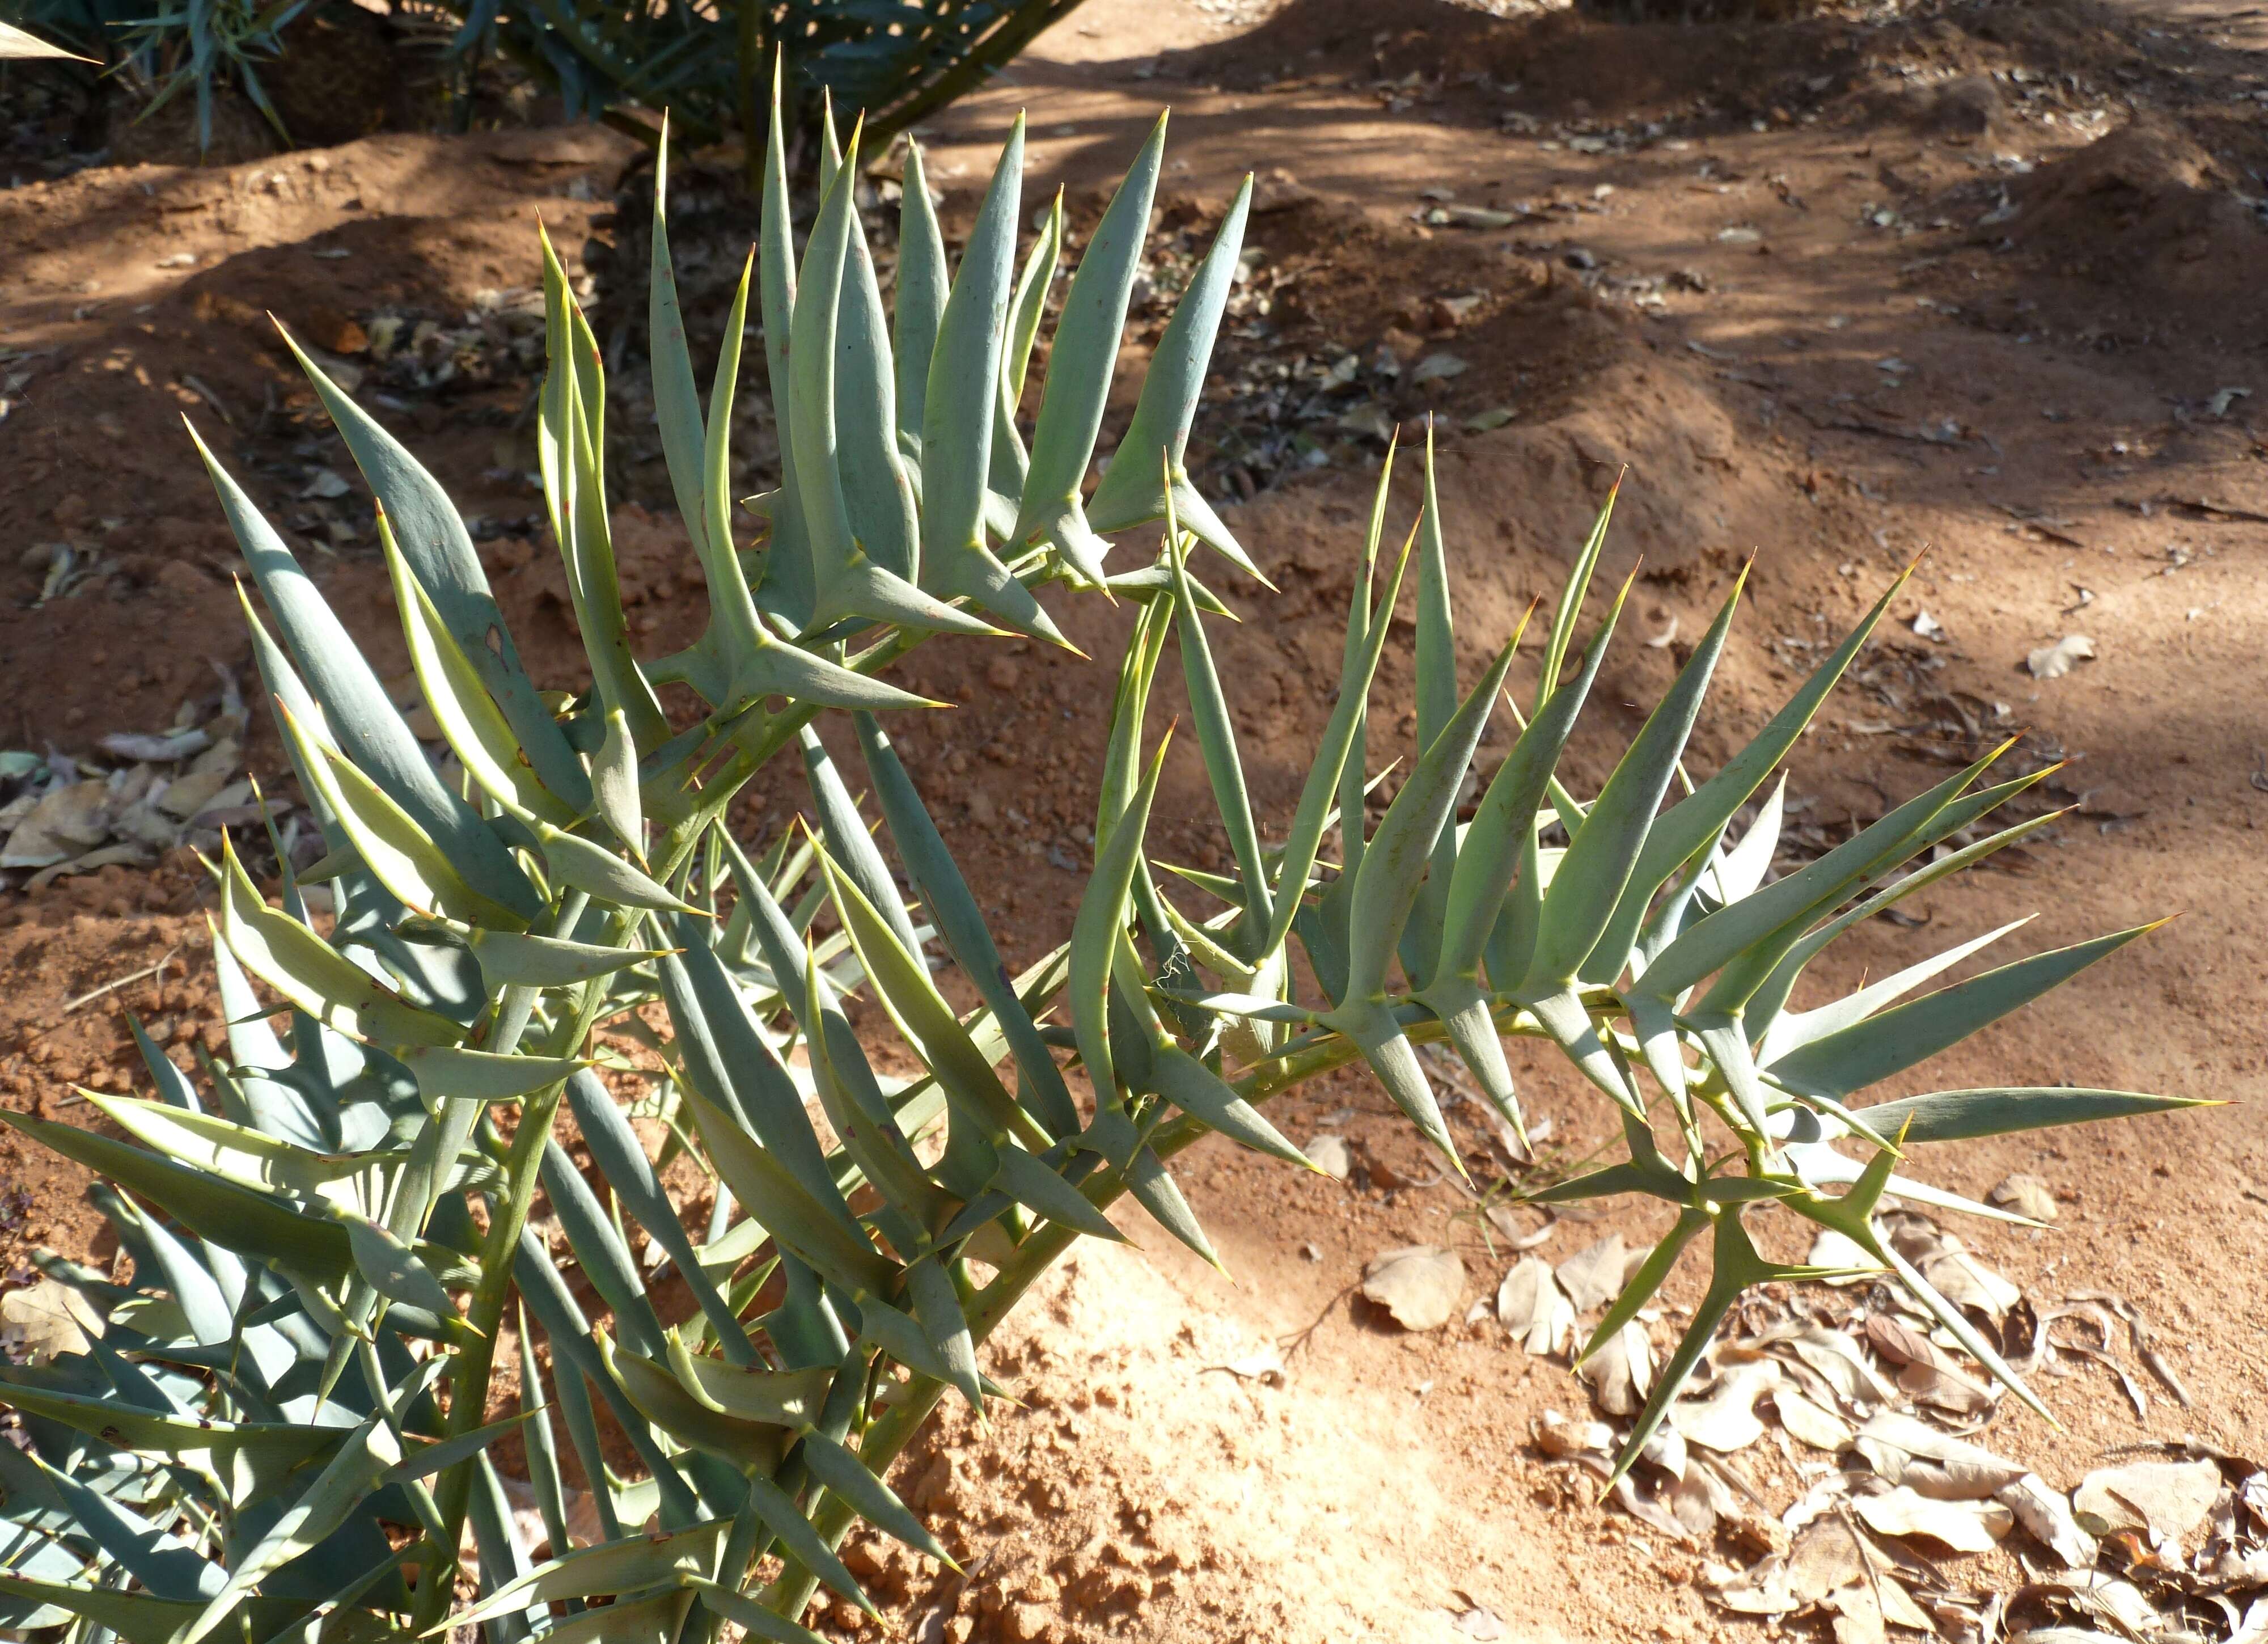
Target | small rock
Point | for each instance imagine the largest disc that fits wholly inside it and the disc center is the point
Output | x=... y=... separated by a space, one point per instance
x=1330 y=1155
x=1277 y=189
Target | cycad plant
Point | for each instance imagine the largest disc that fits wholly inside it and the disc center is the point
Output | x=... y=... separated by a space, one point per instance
x=284 y=1429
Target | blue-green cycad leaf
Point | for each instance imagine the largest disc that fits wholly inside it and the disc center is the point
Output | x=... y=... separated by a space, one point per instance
x=1216 y=739
x=676 y=395
x=616 y=1567
x=575 y=1367
x=1081 y=365
x=1952 y=1116
x=919 y=306
x=962 y=424
x=568 y=434
x=850 y=843
x=1780 y=962
x=1434 y=658
x=847 y=582
x=439 y=551
x=1605 y=849
x=952 y=908
x=875 y=477
x=1386 y=887
x=1867 y=1052
x=789 y=586
x=362 y=1461
x=1570 y=608
x=728 y=1061
x=165 y=1564
x=605 y=1260
x=1005 y=483
x=916 y=1209
x=1501 y=836
x=355 y=707
x=622 y=1161
x=848 y=1476
x=1692 y=821
x=251 y=1223
x=313 y=975
x=1130 y=494
x=1098 y=927
x=1334 y=760
x=139 y=1617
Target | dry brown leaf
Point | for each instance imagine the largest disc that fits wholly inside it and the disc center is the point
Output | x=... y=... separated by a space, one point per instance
x=2168 y=1498
x=1810 y=1422
x=2047 y=1516
x=1824 y=1558
x=1964 y=1526
x=47 y=1319
x=1620 y=1372
x=1726 y=1419
x=2026 y=1195
x=1420 y=1285
x=1330 y=1155
x=1907 y=1451
x=1830 y=1249
x=1593 y=1276
x=1530 y=1304
x=1900 y=1341
x=1963 y=1280
x=1557 y=1436
x=65 y=823
x=1836 y=1358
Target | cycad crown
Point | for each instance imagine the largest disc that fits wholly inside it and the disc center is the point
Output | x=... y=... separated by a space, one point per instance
x=284 y=1429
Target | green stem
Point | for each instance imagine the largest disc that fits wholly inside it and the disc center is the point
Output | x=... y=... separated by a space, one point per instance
x=468 y=1380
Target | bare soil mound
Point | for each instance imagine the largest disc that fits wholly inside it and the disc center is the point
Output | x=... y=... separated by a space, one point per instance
x=2147 y=208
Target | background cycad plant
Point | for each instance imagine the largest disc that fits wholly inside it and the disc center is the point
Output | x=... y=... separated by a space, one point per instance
x=282 y=1431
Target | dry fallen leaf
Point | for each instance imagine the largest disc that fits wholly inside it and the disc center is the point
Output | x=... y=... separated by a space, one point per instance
x=1593 y=1276
x=1557 y=1436
x=47 y=1319
x=1903 y=1449
x=2168 y=1498
x=2042 y=1511
x=1811 y=1422
x=1620 y=1372
x=1830 y=1249
x=66 y=821
x=1531 y=1306
x=1964 y=1526
x=1330 y=1154
x=1726 y=1419
x=2057 y=660
x=1824 y=1558
x=1420 y=1285
x=2027 y=1196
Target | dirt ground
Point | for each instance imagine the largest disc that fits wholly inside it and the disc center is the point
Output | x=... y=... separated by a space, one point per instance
x=1980 y=279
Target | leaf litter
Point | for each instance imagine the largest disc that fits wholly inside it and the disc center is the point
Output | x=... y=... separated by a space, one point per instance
x=139 y=795
x=2169 y=1545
